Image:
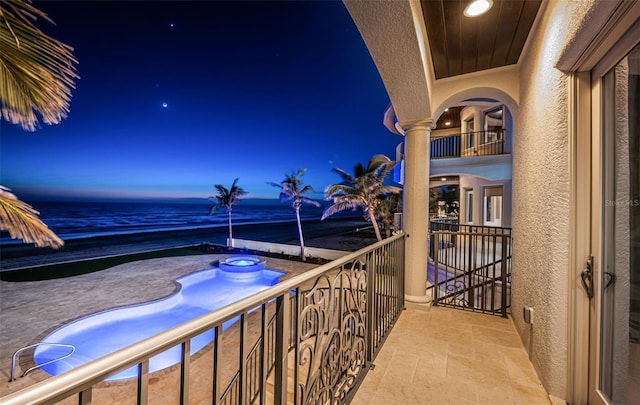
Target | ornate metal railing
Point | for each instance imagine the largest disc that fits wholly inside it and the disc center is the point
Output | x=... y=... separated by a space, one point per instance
x=470 y=267
x=479 y=143
x=322 y=328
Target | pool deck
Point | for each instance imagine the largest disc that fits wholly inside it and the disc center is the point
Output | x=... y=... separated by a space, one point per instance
x=31 y=310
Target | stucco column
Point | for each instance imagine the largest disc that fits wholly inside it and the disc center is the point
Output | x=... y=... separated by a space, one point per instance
x=416 y=209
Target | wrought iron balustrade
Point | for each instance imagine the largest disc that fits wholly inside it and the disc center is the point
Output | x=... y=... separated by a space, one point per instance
x=319 y=331
x=470 y=266
x=478 y=143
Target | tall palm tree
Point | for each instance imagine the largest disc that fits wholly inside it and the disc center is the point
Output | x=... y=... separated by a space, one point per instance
x=22 y=222
x=292 y=190
x=362 y=190
x=227 y=198
x=37 y=74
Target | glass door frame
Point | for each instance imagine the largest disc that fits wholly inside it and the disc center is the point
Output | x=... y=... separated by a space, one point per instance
x=613 y=43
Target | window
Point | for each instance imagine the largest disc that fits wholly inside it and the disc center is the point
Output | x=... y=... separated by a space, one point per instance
x=468 y=206
x=493 y=126
x=470 y=143
x=493 y=206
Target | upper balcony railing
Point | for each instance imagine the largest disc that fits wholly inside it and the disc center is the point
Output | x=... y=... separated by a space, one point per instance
x=320 y=331
x=480 y=143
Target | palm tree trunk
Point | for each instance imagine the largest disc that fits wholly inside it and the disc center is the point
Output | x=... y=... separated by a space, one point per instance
x=375 y=225
x=300 y=233
x=230 y=241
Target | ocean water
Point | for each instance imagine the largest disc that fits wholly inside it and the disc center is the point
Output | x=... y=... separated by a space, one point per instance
x=73 y=219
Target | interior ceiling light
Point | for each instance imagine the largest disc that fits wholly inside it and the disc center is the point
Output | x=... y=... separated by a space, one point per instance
x=447 y=123
x=478 y=7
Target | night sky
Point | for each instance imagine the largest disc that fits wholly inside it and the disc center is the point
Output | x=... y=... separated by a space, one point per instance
x=177 y=96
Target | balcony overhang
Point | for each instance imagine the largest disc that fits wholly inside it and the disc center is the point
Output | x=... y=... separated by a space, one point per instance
x=493 y=167
x=408 y=39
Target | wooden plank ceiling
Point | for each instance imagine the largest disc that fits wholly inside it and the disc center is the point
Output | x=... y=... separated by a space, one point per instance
x=461 y=44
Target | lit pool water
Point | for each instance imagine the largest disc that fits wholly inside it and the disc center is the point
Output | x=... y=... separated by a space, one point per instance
x=100 y=334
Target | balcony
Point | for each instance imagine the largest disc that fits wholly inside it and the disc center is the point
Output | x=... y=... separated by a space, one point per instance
x=315 y=338
x=480 y=143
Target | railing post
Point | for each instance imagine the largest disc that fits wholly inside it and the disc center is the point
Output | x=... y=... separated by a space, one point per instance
x=264 y=358
x=282 y=353
x=503 y=275
x=143 y=383
x=84 y=397
x=242 y=358
x=436 y=244
x=371 y=293
x=471 y=286
x=185 y=371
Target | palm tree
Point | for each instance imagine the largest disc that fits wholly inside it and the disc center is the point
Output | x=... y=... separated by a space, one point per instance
x=362 y=190
x=292 y=190
x=385 y=210
x=227 y=198
x=22 y=222
x=37 y=74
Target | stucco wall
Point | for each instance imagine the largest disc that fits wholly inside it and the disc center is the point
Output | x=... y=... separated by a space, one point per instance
x=541 y=195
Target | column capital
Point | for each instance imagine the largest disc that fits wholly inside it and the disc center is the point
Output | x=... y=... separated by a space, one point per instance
x=413 y=125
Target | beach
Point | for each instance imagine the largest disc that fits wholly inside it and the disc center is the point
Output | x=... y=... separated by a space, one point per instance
x=348 y=234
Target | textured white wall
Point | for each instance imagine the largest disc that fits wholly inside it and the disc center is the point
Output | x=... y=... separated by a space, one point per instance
x=541 y=194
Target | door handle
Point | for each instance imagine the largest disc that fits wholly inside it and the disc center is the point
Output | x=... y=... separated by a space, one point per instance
x=587 y=278
x=611 y=280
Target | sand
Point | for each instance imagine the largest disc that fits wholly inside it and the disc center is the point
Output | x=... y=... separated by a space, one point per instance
x=340 y=234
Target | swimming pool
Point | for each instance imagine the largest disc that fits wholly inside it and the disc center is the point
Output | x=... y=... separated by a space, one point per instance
x=100 y=334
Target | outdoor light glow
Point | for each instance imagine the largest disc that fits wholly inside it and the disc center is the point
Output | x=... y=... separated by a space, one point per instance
x=447 y=123
x=444 y=179
x=446 y=109
x=478 y=7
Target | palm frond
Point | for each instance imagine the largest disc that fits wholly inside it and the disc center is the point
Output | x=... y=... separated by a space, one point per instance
x=309 y=201
x=306 y=189
x=37 y=72
x=22 y=222
x=346 y=177
x=226 y=197
x=340 y=206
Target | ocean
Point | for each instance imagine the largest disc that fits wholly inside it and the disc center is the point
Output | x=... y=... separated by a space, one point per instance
x=74 y=219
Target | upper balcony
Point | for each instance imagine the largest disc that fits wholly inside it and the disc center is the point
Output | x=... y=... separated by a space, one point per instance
x=479 y=143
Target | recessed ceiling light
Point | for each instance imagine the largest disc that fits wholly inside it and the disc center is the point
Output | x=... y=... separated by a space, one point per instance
x=447 y=123
x=446 y=109
x=478 y=7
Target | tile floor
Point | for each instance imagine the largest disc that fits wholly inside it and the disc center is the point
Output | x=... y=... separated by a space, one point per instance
x=447 y=356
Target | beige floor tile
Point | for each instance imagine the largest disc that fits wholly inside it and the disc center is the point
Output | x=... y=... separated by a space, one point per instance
x=500 y=394
x=446 y=389
x=496 y=336
x=434 y=364
x=527 y=394
x=461 y=358
x=476 y=371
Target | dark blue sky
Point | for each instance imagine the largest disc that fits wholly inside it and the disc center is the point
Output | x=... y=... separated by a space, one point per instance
x=252 y=90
